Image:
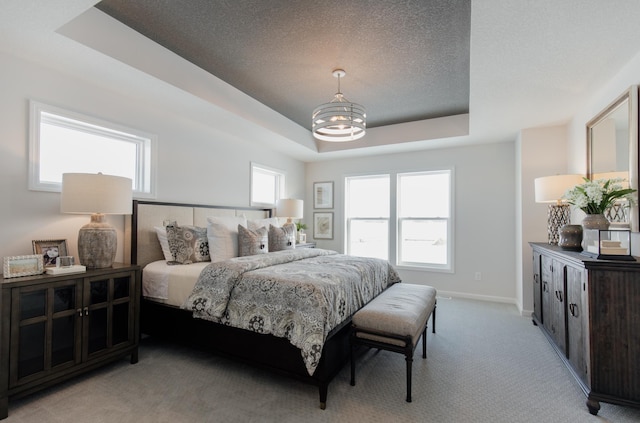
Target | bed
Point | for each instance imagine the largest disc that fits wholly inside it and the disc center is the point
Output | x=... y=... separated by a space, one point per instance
x=288 y=311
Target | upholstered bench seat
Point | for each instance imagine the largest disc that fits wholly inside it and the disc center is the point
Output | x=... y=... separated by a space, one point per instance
x=394 y=321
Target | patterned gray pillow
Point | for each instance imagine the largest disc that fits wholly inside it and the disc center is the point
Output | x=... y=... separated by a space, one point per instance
x=283 y=238
x=252 y=242
x=187 y=244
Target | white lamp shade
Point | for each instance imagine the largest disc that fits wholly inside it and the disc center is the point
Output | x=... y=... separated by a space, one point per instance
x=88 y=193
x=612 y=175
x=551 y=189
x=290 y=207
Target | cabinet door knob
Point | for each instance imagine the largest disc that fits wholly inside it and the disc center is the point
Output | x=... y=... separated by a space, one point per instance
x=86 y=311
x=79 y=312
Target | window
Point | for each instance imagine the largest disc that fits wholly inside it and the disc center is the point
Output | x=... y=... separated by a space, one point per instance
x=424 y=229
x=267 y=185
x=62 y=142
x=367 y=214
x=408 y=223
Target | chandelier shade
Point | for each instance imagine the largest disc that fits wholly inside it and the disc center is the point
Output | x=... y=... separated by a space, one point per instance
x=339 y=120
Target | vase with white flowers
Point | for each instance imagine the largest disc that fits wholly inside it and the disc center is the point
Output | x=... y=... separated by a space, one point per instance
x=594 y=197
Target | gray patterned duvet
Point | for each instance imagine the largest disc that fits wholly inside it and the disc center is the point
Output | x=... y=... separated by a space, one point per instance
x=298 y=294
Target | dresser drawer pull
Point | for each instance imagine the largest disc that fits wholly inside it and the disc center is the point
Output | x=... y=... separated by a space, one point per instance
x=573 y=309
x=559 y=295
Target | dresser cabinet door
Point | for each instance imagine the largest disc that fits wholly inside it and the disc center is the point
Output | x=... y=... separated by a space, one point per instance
x=577 y=321
x=45 y=330
x=537 y=288
x=558 y=302
x=546 y=275
x=109 y=312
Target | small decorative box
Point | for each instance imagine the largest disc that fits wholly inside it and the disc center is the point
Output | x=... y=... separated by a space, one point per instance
x=612 y=244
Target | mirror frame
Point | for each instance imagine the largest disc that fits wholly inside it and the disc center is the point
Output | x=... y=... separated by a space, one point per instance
x=632 y=96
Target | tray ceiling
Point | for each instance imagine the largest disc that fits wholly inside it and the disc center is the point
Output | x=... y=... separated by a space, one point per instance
x=405 y=60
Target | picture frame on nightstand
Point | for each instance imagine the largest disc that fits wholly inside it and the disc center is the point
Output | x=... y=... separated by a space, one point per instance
x=50 y=249
x=16 y=266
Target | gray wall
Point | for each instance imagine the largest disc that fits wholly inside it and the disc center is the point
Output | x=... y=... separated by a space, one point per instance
x=484 y=213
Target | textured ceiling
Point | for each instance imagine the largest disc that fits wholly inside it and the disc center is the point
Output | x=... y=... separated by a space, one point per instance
x=406 y=60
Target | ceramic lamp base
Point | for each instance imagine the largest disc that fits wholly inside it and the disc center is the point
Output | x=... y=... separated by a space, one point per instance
x=558 y=215
x=97 y=243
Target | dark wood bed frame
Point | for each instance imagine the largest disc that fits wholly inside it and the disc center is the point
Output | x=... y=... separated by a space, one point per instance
x=266 y=351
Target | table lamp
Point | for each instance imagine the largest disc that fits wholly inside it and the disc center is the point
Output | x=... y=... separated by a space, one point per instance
x=97 y=195
x=289 y=208
x=551 y=189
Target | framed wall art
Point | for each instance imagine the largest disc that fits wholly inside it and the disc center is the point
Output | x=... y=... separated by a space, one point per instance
x=323 y=195
x=323 y=225
x=50 y=249
x=16 y=266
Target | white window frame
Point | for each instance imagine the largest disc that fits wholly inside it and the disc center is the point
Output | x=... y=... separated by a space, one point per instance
x=144 y=182
x=278 y=188
x=448 y=267
x=394 y=220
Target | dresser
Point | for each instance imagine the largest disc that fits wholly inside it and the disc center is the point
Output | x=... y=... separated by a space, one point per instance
x=56 y=327
x=590 y=311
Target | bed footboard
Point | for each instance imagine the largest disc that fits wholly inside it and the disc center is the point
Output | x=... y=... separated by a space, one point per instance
x=265 y=351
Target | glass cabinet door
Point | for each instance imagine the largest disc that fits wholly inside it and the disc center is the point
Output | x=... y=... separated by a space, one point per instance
x=45 y=329
x=108 y=312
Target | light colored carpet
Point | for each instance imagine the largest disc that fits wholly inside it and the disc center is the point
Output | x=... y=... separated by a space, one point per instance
x=485 y=364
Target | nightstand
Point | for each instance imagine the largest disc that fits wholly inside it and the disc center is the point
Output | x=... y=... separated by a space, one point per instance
x=306 y=245
x=57 y=327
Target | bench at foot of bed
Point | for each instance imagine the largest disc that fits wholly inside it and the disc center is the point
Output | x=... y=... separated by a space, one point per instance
x=394 y=321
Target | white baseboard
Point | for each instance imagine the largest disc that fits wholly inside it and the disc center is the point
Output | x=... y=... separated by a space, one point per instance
x=490 y=298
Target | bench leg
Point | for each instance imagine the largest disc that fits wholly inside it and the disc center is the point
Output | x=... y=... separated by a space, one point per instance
x=409 y=360
x=433 y=320
x=424 y=343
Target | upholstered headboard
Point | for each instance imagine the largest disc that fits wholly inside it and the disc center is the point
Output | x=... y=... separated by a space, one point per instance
x=144 y=247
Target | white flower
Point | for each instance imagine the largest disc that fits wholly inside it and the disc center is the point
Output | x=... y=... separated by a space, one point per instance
x=594 y=197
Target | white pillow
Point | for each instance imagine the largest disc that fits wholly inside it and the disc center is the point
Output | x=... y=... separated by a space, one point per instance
x=222 y=233
x=161 y=232
x=254 y=224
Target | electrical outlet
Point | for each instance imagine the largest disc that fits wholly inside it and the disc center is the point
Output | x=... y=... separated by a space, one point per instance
x=478 y=276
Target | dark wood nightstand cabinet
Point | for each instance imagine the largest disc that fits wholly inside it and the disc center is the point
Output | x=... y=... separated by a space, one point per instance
x=590 y=311
x=56 y=327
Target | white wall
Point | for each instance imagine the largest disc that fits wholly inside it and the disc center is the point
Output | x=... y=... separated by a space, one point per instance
x=197 y=163
x=555 y=150
x=577 y=142
x=539 y=152
x=484 y=213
